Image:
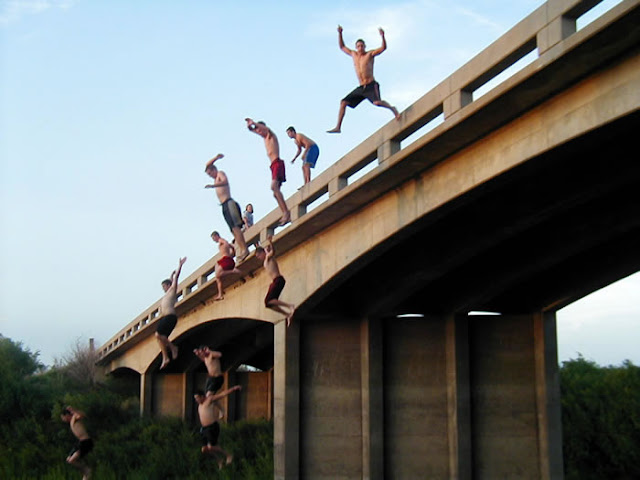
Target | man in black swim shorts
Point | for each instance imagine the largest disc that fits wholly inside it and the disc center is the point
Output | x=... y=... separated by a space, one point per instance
x=85 y=443
x=230 y=208
x=168 y=318
x=368 y=89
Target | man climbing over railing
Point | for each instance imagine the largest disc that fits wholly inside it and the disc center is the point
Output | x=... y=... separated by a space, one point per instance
x=368 y=88
x=167 y=321
x=267 y=255
x=225 y=265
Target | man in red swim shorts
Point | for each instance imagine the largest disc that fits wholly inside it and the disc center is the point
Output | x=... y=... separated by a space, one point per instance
x=267 y=255
x=277 y=165
x=225 y=265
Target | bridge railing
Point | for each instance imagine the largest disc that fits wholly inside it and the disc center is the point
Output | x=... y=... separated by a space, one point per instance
x=546 y=27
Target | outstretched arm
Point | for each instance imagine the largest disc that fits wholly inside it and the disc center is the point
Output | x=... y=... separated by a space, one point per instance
x=383 y=47
x=213 y=397
x=220 y=181
x=299 y=145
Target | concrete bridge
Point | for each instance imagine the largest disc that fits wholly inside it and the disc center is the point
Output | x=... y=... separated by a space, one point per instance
x=517 y=201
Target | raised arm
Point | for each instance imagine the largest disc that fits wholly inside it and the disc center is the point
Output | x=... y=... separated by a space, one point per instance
x=269 y=250
x=176 y=273
x=213 y=160
x=341 y=44
x=383 y=47
x=251 y=125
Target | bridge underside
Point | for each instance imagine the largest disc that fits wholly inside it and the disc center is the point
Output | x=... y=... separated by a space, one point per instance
x=544 y=234
x=447 y=395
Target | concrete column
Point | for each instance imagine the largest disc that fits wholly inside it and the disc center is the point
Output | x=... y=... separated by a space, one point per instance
x=548 y=396
x=187 y=409
x=146 y=389
x=372 y=399
x=286 y=423
x=458 y=396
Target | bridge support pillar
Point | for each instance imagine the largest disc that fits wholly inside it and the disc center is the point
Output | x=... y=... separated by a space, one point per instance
x=372 y=399
x=286 y=401
x=146 y=393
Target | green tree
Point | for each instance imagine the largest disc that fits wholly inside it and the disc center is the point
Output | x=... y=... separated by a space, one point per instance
x=600 y=420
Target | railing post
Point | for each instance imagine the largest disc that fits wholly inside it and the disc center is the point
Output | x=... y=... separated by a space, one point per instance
x=555 y=32
x=456 y=101
x=387 y=149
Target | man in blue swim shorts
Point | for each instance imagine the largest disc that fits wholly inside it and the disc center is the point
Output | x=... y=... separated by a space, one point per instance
x=310 y=155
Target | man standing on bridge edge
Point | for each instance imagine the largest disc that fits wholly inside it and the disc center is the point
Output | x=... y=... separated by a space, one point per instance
x=369 y=88
x=168 y=320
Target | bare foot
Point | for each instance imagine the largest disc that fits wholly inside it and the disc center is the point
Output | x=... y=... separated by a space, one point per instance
x=165 y=362
x=293 y=310
x=242 y=257
x=229 y=459
x=174 y=351
x=218 y=298
x=286 y=218
x=395 y=112
x=335 y=130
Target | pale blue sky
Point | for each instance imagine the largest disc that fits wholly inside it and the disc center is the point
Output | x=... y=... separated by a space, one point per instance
x=110 y=109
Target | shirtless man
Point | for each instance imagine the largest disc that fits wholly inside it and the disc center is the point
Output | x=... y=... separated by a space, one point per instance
x=230 y=208
x=85 y=443
x=211 y=360
x=167 y=322
x=369 y=88
x=209 y=413
x=310 y=155
x=277 y=165
x=225 y=266
x=267 y=255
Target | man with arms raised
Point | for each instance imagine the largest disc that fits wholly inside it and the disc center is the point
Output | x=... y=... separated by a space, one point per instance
x=369 y=88
x=167 y=321
x=230 y=208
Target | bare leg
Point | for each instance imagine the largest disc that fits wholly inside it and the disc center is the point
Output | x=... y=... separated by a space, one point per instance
x=287 y=309
x=341 y=112
x=215 y=450
x=286 y=214
x=382 y=103
x=74 y=461
x=243 y=250
x=306 y=172
x=165 y=347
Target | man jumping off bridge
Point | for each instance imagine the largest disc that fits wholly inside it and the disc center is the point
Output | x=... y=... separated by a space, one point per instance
x=278 y=176
x=267 y=255
x=209 y=413
x=230 y=208
x=168 y=320
x=85 y=443
x=369 y=88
